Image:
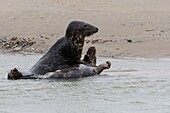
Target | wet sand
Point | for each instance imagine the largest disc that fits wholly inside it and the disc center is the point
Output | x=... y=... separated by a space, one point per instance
x=127 y=28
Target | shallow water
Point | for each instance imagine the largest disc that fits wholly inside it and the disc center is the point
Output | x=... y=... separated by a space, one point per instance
x=130 y=86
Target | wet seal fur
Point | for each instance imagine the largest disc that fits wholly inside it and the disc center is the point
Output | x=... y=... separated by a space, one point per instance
x=67 y=50
x=89 y=68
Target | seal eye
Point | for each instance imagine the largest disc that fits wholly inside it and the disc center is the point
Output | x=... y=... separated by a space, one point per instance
x=85 y=25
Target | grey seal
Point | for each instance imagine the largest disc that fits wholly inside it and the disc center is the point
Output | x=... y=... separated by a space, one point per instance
x=67 y=50
x=89 y=68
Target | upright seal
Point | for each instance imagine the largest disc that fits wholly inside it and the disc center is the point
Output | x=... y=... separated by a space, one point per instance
x=67 y=50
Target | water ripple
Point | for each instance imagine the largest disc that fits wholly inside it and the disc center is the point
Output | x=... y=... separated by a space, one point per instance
x=130 y=86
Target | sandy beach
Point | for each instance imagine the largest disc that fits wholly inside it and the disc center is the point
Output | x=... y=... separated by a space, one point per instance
x=127 y=28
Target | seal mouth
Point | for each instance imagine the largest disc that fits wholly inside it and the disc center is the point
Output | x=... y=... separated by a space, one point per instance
x=88 y=34
x=93 y=32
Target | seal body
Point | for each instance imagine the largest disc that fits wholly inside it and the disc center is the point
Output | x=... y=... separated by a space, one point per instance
x=76 y=71
x=88 y=68
x=67 y=50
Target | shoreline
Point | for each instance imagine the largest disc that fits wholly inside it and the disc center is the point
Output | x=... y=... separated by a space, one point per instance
x=107 y=57
x=105 y=47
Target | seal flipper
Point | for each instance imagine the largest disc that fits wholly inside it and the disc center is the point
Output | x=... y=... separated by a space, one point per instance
x=102 y=67
x=90 y=57
x=14 y=74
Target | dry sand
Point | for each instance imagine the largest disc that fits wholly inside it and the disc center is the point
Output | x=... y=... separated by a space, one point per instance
x=127 y=28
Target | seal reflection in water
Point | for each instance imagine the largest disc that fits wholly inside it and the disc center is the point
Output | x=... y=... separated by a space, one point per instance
x=89 y=68
x=67 y=50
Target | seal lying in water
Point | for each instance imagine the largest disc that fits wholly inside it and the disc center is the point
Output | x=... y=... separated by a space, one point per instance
x=89 y=68
x=67 y=50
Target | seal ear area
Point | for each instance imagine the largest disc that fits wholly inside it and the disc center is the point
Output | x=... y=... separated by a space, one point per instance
x=72 y=28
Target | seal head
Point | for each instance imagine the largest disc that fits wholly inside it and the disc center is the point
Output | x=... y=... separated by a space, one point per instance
x=80 y=28
x=77 y=31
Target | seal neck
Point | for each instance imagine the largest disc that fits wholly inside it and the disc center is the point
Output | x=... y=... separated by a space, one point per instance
x=77 y=41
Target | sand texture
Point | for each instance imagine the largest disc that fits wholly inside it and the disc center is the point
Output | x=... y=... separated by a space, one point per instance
x=127 y=28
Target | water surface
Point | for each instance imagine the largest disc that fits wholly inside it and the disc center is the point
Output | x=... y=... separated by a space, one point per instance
x=130 y=86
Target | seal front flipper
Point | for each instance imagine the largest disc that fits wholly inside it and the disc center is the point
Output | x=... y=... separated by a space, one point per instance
x=90 y=57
